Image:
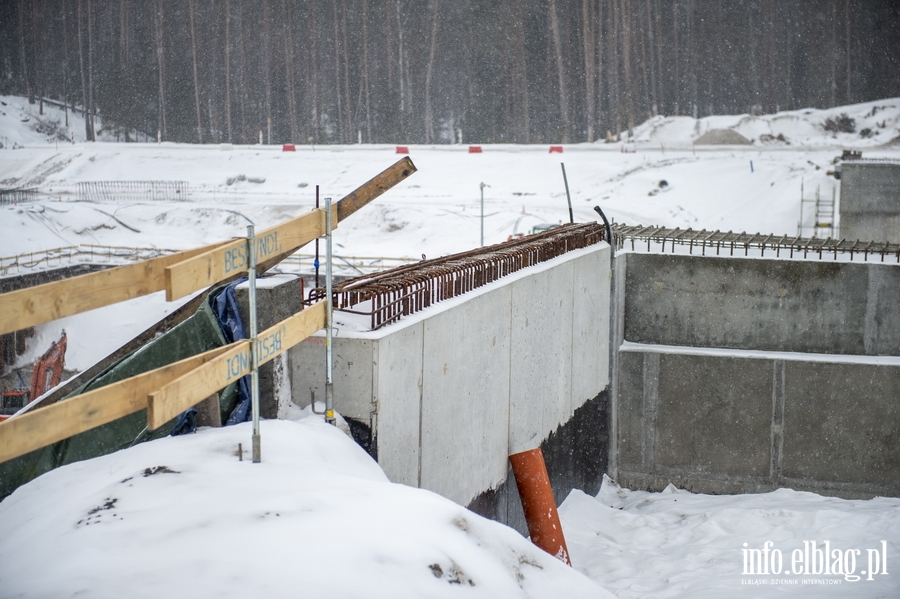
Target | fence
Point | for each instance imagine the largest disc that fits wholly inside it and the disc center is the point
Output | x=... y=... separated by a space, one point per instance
x=133 y=191
x=116 y=254
x=9 y=197
x=85 y=253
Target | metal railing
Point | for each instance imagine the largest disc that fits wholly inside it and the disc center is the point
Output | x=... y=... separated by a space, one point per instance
x=666 y=239
x=388 y=296
x=359 y=264
x=85 y=253
x=133 y=191
x=112 y=254
x=18 y=195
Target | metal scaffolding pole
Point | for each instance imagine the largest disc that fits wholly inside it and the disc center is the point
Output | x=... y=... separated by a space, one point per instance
x=329 y=319
x=254 y=354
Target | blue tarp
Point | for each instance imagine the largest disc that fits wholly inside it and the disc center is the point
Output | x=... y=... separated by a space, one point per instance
x=225 y=306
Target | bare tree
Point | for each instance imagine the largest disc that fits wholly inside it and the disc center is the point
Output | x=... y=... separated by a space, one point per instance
x=625 y=14
x=560 y=69
x=22 y=53
x=314 y=69
x=587 y=22
x=267 y=76
x=400 y=56
x=614 y=43
x=242 y=87
x=654 y=88
x=517 y=88
x=849 y=37
x=228 y=69
x=581 y=65
x=160 y=59
x=88 y=124
x=429 y=112
x=346 y=54
x=91 y=110
x=366 y=69
x=337 y=71
x=194 y=64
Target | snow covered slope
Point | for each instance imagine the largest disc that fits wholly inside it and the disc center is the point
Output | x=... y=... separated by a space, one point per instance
x=874 y=124
x=183 y=517
x=438 y=210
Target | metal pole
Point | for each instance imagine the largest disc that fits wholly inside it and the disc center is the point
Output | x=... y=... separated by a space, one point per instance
x=254 y=355
x=568 y=197
x=329 y=320
x=316 y=263
x=483 y=185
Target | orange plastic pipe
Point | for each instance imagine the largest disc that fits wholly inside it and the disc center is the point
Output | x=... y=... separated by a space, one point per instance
x=538 y=503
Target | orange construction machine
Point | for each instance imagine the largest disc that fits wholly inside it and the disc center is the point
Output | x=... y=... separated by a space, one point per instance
x=46 y=375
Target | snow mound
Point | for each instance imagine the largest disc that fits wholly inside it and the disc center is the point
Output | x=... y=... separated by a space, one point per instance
x=865 y=125
x=722 y=137
x=183 y=517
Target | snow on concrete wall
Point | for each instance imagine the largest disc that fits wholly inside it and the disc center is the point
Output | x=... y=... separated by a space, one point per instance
x=451 y=391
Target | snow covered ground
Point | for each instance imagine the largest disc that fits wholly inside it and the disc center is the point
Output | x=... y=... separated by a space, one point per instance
x=184 y=517
x=342 y=530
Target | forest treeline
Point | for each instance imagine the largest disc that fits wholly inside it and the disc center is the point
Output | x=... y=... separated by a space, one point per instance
x=439 y=71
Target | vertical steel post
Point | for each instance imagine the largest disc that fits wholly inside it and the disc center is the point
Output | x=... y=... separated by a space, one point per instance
x=254 y=355
x=483 y=185
x=329 y=320
x=568 y=197
x=316 y=263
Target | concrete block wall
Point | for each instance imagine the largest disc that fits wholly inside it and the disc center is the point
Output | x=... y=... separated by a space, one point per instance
x=743 y=375
x=450 y=392
x=278 y=298
x=870 y=201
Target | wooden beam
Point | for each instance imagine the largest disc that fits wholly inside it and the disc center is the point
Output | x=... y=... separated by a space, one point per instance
x=276 y=243
x=374 y=187
x=195 y=386
x=36 y=305
x=39 y=428
x=231 y=258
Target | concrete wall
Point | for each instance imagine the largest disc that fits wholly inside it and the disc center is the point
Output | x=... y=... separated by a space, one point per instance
x=780 y=305
x=748 y=423
x=871 y=226
x=743 y=375
x=278 y=298
x=450 y=392
x=870 y=201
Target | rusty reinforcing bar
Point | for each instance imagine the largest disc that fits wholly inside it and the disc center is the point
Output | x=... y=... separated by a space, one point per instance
x=408 y=289
x=728 y=241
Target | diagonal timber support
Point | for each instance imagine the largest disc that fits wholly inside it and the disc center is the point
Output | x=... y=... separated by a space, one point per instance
x=42 y=303
x=165 y=392
x=193 y=387
x=276 y=243
x=81 y=413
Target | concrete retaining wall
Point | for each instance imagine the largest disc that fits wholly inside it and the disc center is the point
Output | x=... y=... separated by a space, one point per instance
x=779 y=305
x=753 y=422
x=810 y=399
x=450 y=392
x=870 y=201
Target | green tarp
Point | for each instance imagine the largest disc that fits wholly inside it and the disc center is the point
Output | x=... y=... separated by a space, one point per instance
x=198 y=333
